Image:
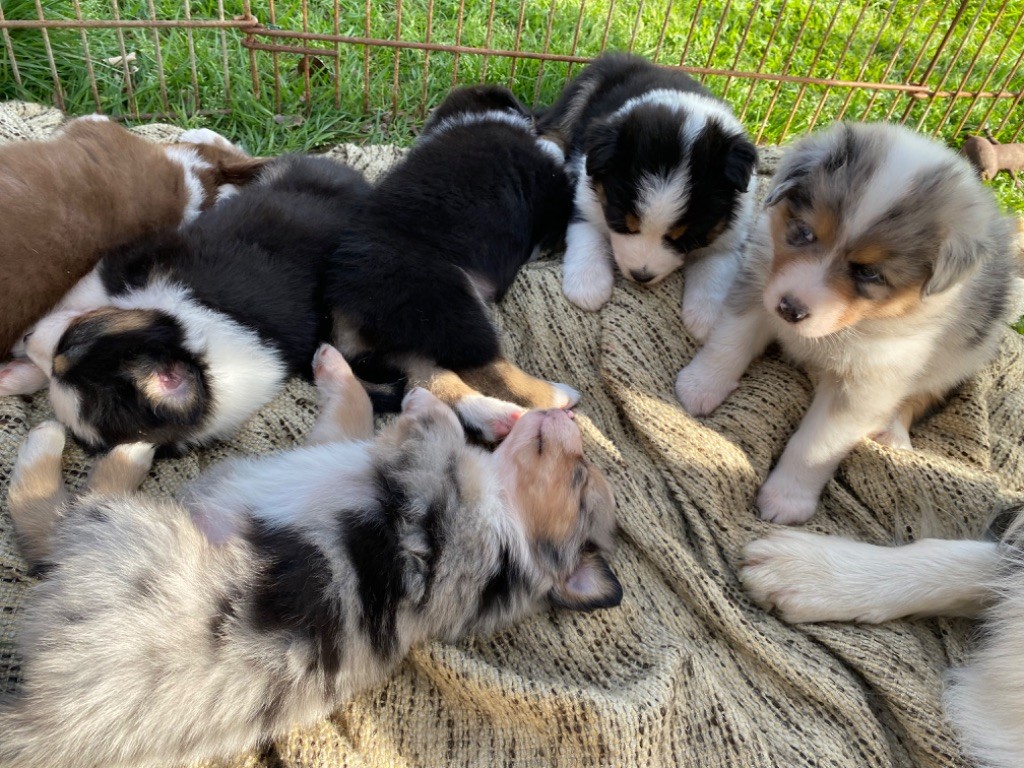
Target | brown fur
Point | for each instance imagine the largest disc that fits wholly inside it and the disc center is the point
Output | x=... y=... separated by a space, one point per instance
x=503 y=380
x=990 y=157
x=64 y=201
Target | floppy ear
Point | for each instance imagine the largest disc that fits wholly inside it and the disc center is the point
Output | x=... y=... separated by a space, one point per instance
x=740 y=162
x=957 y=257
x=591 y=586
x=599 y=144
x=240 y=171
x=173 y=388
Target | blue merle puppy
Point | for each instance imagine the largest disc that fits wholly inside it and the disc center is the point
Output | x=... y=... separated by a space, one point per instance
x=164 y=632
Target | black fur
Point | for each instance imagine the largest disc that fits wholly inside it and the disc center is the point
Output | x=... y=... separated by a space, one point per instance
x=475 y=198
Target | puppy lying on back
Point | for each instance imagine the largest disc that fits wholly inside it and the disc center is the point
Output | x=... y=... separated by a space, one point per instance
x=163 y=632
x=66 y=200
x=441 y=237
x=883 y=266
x=179 y=337
x=663 y=176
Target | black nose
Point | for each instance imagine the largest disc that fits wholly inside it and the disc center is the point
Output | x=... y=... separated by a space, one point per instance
x=641 y=275
x=792 y=310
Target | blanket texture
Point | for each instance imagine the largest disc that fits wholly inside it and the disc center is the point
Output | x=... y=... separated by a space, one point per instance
x=687 y=672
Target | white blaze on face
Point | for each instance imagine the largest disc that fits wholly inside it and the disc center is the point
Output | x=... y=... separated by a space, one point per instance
x=660 y=202
x=806 y=282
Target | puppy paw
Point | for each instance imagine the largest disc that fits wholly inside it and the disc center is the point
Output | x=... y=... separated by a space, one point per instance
x=786 y=501
x=699 y=317
x=565 y=396
x=588 y=286
x=331 y=370
x=895 y=437
x=45 y=441
x=21 y=377
x=493 y=419
x=700 y=393
x=793 y=572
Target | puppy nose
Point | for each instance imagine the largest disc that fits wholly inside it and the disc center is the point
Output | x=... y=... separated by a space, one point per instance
x=792 y=310
x=641 y=275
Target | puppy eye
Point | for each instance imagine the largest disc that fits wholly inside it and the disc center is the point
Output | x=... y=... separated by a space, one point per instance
x=632 y=224
x=865 y=273
x=676 y=232
x=798 y=233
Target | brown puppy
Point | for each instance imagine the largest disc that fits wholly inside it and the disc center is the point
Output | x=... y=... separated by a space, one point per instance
x=66 y=200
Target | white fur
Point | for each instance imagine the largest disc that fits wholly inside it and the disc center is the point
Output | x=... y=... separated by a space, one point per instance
x=809 y=577
x=190 y=163
x=660 y=202
x=588 y=275
x=21 y=377
x=493 y=418
x=203 y=136
x=475 y=118
x=552 y=149
x=807 y=282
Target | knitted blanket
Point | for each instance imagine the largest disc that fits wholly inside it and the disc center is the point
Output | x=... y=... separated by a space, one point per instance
x=687 y=672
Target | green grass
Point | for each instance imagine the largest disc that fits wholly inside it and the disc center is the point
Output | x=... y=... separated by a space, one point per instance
x=887 y=36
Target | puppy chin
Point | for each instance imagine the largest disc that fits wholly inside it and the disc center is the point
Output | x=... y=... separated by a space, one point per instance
x=639 y=257
x=45 y=336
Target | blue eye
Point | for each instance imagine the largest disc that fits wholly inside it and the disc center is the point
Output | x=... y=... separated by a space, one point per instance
x=798 y=233
x=865 y=273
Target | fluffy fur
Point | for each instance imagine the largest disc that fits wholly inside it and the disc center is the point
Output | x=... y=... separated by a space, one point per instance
x=663 y=175
x=883 y=267
x=281 y=585
x=809 y=578
x=179 y=337
x=94 y=185
x=441 y=237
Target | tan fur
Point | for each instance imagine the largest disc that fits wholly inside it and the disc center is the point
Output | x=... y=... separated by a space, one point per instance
x=64 y=201
x=505 y=381
x=346 y=412
x=443 y=384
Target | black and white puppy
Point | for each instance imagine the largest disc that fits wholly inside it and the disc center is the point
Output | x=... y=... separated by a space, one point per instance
x=663 y=174
x=178 y=338
x=440 y=238
x=166 y=632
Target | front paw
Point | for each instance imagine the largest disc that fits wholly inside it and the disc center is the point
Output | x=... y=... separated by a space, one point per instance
x=588 y=285
x=783 y=499
x=491 y=418
x=700 y=393
x=564 y=395
x=21 y=377
x=699 y=316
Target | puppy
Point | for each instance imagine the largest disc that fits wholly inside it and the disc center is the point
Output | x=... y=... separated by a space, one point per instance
x=95 y=185
x=165 y=632
x=881 y=265
x=811 y=578
x=663 y=176
x=178 y=338
x=442 y=237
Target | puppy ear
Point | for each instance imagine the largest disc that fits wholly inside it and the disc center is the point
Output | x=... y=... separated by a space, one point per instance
x=957 y=257
x=599 y=144
x=173 y=388
x=239 y=170
x=591 y=586
x=740 y=162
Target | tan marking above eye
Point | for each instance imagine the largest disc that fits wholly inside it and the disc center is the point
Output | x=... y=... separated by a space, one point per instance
x=632 y=224
x=676 y=232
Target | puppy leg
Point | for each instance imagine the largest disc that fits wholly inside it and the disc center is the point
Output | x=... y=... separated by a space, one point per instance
x=345 y=409
x=37 y=490
x=21 y=377
x=123 y=469
x=811 y=578
x=707 y=284
x=716 y=369
x=493 y=419
x=205 y=136
x=504 y=380
x=839 y=418
x=588 y=273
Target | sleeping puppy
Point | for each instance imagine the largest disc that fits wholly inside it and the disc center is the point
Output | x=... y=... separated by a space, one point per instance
x=440 y=239
x=164 y=632
x=884 y=267
x=811 y=578
x=91 y=187
x=663 y=177
x=178 y=338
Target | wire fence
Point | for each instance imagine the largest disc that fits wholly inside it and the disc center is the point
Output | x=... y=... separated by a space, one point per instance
x=941 y=66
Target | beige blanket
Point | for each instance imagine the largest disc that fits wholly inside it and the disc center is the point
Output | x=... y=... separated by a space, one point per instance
x=687 y=672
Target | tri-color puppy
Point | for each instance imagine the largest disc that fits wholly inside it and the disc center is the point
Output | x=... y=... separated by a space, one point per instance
x=94 y=185
x=663 y=175
x=810 y=578
x=166 y=632
x=885 y=268
x=440 y=239
x=179 y=337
